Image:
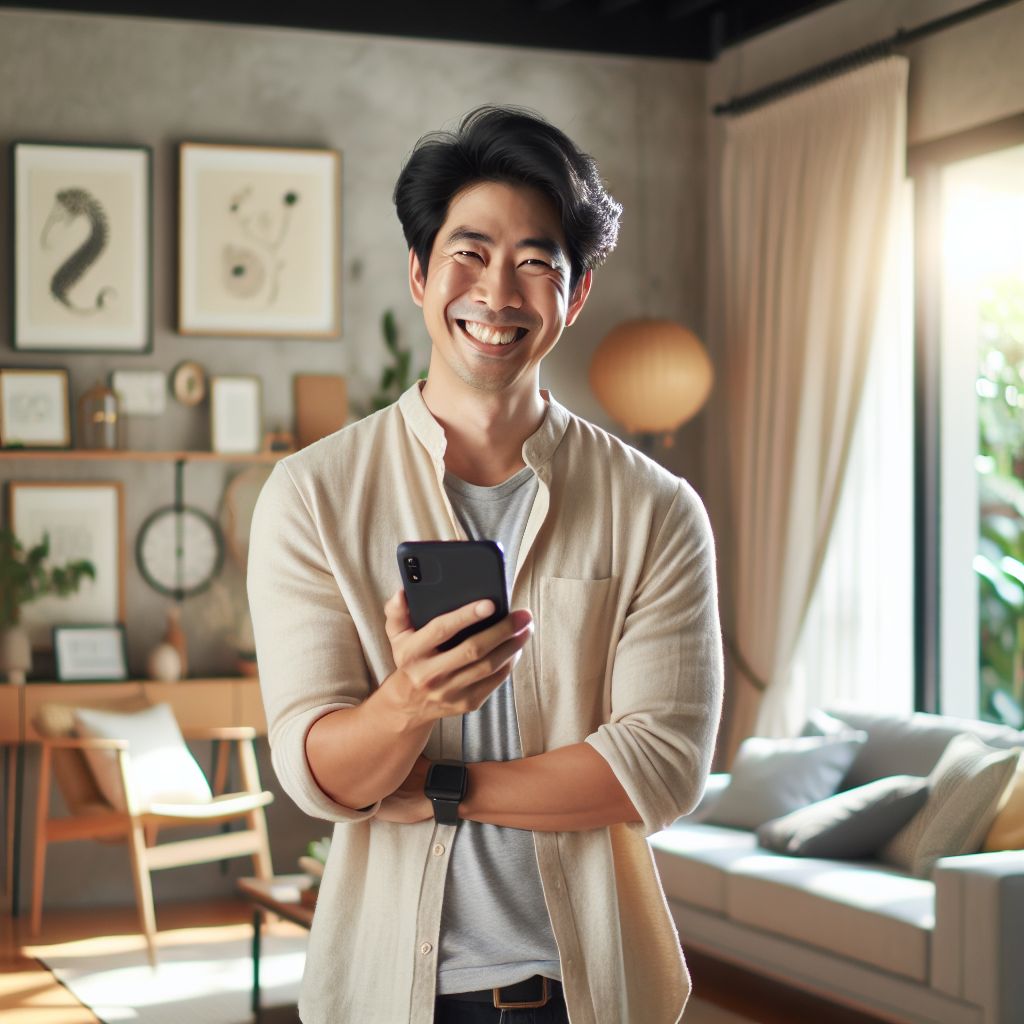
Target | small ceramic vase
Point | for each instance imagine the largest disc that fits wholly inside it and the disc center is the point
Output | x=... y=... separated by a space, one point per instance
x=164 y=664
x=15 y=653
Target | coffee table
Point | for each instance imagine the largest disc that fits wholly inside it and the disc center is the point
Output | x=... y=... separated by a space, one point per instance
x=279 y=895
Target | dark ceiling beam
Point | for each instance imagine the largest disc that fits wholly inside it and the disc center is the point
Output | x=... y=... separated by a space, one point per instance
x=685 y=8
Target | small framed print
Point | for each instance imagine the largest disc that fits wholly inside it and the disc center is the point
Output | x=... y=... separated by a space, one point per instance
x=259 y=241
x=82 y=247
x=83 y=520
x=140 y=392
x=90 y=654
x=35 y=410
x=236 y=419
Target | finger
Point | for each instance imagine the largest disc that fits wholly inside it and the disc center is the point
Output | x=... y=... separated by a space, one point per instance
x=462 y=667
x=473 y=696
x=396 y=611
x=444 y=627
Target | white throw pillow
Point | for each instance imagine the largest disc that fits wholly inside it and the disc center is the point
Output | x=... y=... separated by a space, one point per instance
x=161 y=767
x=965 y=789
x=773 y=777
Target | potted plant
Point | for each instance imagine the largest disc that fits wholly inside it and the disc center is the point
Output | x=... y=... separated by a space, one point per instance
x=24 y=577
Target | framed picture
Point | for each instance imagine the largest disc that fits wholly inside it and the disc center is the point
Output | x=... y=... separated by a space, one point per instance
x=90 y=653
x=35 y=410
x=82 y=247
x=235 y=414
x=84 y=520
x=140 y=392
x=258 y=241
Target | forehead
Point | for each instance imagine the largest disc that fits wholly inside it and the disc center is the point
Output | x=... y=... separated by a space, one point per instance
x=504 y=211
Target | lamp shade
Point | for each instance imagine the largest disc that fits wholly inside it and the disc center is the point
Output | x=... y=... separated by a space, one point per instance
x=651 y=375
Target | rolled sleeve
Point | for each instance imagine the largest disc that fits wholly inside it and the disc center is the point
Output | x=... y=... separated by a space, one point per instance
x=667 y=678
x=308 y=652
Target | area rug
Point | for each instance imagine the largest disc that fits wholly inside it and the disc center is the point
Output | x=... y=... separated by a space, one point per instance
x=204 y=976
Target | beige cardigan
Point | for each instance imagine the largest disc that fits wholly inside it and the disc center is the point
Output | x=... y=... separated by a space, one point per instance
x=617 y=565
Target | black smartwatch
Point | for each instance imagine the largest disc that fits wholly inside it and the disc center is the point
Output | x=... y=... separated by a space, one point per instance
x=446 y=786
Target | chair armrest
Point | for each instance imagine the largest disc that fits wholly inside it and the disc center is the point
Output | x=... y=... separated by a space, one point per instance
x=979 y=918
x=220 y=732
x=83 y=743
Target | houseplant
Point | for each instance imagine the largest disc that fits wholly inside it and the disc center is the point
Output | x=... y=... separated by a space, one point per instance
x=25 y=576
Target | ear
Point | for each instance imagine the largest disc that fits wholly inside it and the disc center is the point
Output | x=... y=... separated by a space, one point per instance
x=417 y=279
x=578 y=297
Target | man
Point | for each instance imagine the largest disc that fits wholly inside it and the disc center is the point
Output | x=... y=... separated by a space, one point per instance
x=585 y=719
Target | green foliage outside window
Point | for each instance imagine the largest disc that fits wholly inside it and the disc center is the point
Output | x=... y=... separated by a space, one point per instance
x=999 y=563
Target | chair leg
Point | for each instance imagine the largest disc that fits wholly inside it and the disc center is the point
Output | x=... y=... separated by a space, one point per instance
x=143 y=888
x=39 y=847
x=261 y=858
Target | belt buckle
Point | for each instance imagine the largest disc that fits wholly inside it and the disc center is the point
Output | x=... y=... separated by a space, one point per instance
x=500 y=1004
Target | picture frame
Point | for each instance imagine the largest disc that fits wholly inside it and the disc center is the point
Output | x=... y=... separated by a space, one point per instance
x=259 y=241
x=236 y=415
x=85 y=519
x=35 y=408
x=81 y=272
x=140 y=392
x=90 y=654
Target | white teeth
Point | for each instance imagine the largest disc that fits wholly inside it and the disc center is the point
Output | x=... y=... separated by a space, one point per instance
x=490 y=335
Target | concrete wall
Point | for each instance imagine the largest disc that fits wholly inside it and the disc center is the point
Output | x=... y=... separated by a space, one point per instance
x=105 y=79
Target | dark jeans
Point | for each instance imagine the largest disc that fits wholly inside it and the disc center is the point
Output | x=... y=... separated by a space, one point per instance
x=453 y=1011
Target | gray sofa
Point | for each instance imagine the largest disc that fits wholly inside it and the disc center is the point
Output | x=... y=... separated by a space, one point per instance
x=949 y=950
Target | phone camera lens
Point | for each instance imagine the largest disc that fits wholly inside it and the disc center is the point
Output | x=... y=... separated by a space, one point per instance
x=413 y=566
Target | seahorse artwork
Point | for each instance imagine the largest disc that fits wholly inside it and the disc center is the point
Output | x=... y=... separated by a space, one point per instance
x=246 y=270
x=69 y=204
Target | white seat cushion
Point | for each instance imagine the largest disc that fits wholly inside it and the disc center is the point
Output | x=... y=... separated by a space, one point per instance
x=692 y=861
x=860 y=910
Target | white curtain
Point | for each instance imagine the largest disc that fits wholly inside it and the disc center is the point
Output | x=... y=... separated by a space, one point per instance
x=809 y=198
x=856 y=649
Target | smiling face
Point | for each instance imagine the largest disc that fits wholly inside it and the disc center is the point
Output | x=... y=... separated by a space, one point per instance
x=496 y=294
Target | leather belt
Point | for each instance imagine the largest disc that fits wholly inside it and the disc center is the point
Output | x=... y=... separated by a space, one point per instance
x=523 y=995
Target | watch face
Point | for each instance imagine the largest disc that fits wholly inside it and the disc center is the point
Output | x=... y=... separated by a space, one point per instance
x=445 y=781
x=179 y=551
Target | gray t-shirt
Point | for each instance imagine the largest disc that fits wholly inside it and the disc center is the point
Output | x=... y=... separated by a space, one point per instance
x=495 y=928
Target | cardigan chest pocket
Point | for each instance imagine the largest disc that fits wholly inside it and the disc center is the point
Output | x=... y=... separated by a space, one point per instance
x=574 y=628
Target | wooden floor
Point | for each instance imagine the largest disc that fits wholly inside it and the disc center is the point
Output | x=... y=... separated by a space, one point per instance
x=29 y=994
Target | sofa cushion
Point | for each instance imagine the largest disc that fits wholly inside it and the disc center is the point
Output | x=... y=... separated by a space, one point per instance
x=693 y=859
x=910 y=745
x=856 y=909
x=1007 y=831
x=850 y=825
x=966 y=787
x=771 y=777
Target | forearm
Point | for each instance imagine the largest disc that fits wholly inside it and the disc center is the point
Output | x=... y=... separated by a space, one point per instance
x=360 y=755
x=570 y=789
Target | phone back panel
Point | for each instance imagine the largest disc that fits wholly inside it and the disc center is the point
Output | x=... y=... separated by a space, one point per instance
x=453 y=573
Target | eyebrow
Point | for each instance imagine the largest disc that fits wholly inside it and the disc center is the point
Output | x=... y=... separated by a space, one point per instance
x=548 y=245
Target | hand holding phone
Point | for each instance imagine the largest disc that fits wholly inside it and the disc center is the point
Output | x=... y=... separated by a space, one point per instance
x=457 y=657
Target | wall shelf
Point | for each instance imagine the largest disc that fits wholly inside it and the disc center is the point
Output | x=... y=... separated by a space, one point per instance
x=73 y=454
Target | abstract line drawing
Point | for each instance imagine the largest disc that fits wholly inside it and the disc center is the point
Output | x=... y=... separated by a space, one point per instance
x=69 y=204
x=247 y=271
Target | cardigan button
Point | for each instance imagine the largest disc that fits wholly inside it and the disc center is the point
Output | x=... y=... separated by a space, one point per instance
x=438 y=849
x=426 y=948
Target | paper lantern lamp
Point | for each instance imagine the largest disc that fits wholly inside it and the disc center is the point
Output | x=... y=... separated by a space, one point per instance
x=651 y=376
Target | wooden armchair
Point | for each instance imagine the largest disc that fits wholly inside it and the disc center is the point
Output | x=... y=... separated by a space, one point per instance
x=91 y=816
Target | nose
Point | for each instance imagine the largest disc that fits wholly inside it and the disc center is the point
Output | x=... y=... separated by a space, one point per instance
x=497 y=286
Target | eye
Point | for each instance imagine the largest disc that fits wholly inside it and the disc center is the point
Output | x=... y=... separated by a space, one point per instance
x=469 y=253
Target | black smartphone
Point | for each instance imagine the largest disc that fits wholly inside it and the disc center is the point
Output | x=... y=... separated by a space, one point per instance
x=441 y=575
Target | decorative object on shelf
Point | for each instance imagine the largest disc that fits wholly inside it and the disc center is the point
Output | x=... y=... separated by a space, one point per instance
x=24 y=577
x=321 y=406
x=235 y=414
x=394 y=378
x=164 y=664
x=651 y=376
x=99 y=419
x=188 y=382
x=34 y=408
x=96 y=654
x=259 y=241
x=84 y=521
x=82 y=247
x=175 y=637
x=140 y=392
x=278 y=441
x=179 y=550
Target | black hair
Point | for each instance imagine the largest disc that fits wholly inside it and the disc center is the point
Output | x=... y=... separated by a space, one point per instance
x=516 y=147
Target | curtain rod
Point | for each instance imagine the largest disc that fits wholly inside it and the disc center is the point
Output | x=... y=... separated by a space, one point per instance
x=851 y=60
